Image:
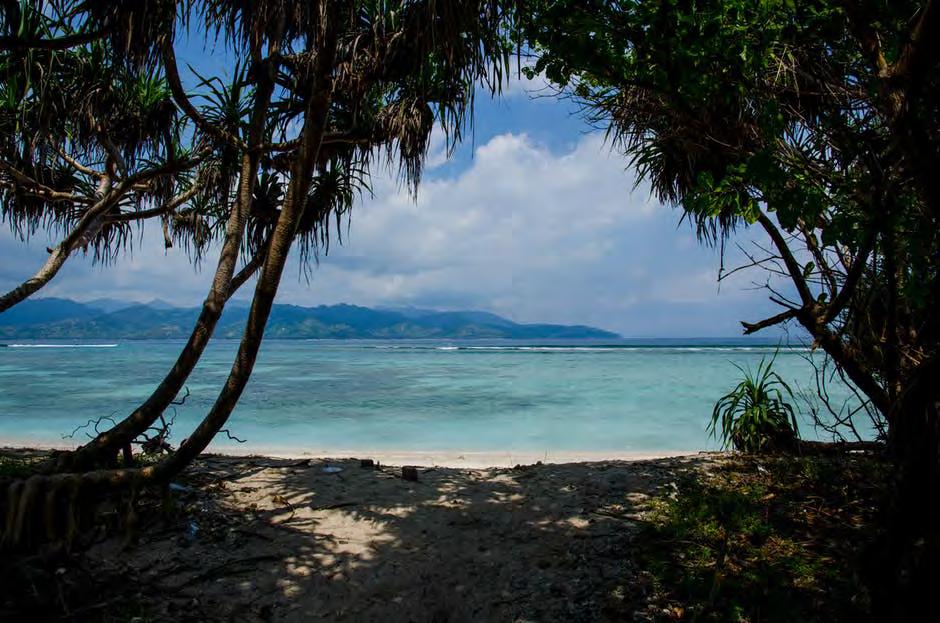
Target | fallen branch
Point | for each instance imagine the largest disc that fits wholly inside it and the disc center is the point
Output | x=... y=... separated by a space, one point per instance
x=329 y=507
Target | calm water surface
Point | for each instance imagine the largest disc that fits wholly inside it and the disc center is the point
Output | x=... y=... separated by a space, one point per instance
x=625 y=396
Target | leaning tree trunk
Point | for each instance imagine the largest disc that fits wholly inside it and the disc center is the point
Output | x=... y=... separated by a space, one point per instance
x=266 y=289
x=85 y=230
x=41 y=508
x=101 y=450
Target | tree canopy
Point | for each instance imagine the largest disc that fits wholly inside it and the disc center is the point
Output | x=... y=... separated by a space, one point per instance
x=267 y=159
x=815 y=120
x=818 y=122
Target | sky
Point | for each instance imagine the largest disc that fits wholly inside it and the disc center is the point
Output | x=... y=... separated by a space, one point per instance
x=533 y=218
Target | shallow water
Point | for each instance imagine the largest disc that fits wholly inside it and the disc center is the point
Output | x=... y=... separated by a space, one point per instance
x=627 y=396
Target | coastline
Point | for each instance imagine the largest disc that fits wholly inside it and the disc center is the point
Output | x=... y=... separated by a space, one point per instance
x=472 y=459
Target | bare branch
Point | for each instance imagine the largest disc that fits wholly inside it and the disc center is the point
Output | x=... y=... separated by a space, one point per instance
x=93 y=423
x=231 y=436
x=182 y=100
x=793 y=267
x=181 y=401
x=768 y=322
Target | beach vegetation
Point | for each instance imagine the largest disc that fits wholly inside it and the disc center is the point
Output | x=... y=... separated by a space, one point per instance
x=816 y=126
x=770 y=538
x=322 y=93
x=756 y=416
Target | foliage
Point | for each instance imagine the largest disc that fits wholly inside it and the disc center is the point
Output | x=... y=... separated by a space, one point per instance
x=818 y=121
x=774 y=540
x=265 y=160
x=13 y=465
x=755 y=416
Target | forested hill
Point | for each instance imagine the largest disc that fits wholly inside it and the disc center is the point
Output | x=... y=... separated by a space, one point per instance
x=51 y=318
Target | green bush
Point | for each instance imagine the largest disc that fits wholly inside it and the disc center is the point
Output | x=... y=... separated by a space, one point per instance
x=755 y=416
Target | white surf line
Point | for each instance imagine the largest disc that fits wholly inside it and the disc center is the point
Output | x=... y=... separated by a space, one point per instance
x=61 y=345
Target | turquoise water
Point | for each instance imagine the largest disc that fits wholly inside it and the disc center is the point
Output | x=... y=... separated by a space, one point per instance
x=622 y=396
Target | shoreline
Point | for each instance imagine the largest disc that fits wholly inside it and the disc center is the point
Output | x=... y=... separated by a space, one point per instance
x=474 y=459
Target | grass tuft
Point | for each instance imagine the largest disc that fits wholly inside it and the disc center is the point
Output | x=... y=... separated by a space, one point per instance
x=774 y=539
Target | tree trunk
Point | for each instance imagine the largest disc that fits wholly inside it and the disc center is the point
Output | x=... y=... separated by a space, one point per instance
x=315 y=118
x=42 y=492
x=905 y=559
x=96 y=452
x=43 y=276
x=85 y=230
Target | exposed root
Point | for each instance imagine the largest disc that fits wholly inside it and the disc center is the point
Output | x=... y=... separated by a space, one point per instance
x=14 y=491
x=23 y=525
x=60 y=508
x=101 y=454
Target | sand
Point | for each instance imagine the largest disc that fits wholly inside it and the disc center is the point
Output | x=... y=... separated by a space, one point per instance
x=262 y=538
x=426 y=458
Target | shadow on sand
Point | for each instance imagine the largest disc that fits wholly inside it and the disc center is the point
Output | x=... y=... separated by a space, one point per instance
x=263 y=539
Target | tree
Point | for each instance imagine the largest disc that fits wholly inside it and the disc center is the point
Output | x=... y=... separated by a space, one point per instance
x=348 y=82
x=78 y=118
x=819 y=123
x=88 y=147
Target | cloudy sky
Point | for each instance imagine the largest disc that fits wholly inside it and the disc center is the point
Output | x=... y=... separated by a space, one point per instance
x=534 y=219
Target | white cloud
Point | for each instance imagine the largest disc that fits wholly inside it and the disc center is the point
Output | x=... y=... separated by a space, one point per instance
x=528 y=233
x=522 y=231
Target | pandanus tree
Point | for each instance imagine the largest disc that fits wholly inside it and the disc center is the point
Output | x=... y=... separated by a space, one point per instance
x=819 y=123
x=79 y=118
x=333 y=87
x=88 y=148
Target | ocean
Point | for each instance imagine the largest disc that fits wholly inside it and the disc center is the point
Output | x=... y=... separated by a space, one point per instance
x=641 y=396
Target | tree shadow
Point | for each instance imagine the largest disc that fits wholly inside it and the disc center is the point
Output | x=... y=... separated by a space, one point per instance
x=270 y=539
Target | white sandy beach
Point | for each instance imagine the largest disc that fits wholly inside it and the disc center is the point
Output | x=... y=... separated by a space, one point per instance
x=474 y=459
x=263 y=539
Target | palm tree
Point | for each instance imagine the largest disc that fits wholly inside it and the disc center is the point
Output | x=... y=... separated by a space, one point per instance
x=350 y=81
x=88 y=147
x=392 y=65
x=199 y=215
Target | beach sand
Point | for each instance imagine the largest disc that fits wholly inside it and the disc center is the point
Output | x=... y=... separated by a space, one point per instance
x=264 y=538
x=426 y=458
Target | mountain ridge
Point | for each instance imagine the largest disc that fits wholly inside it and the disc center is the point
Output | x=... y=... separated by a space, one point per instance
x=57 y=318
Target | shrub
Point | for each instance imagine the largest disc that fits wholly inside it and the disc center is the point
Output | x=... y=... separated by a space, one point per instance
x=755 y=416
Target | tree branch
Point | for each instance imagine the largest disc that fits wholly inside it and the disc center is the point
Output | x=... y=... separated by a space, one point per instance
x=78 y=166
x=182 y=100
x=92 y=218
x=39 y=189
x=793 y=267
x=167 y=208
x=921 y=52
x=768 y=322
x=17 y=44
x=821 y=264
x=245 y=273
x=851 y=280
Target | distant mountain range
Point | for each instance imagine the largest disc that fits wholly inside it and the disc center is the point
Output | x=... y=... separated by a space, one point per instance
x=55 y=318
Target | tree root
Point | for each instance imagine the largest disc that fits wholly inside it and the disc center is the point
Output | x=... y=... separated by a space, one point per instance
x=60 y=508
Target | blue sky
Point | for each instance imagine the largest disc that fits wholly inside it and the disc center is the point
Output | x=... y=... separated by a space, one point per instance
x=533 y=218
